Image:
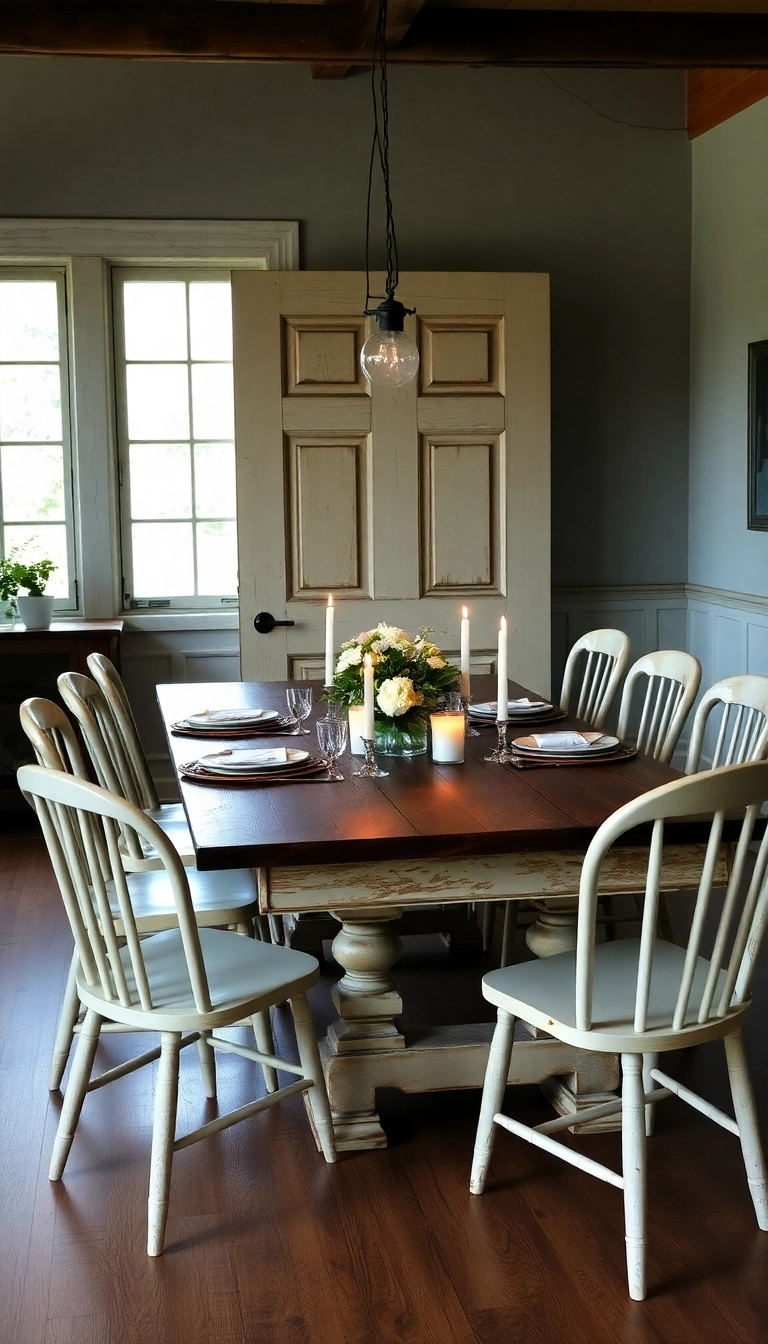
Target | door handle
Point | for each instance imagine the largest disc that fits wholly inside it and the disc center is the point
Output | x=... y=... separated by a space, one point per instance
x=265 y=622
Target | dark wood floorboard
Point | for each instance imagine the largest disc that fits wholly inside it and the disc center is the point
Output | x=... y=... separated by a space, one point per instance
x=265 y=1243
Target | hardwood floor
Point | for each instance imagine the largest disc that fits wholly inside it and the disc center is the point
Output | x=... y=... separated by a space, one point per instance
x=265 y=1243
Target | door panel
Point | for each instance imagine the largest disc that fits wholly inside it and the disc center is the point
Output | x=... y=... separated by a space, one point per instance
x=407 y=503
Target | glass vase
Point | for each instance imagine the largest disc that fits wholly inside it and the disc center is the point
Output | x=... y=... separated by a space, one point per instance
x=401 y=739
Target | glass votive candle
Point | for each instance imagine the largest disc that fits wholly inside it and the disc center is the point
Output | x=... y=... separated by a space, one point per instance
x=448 y=737
x=356 y=713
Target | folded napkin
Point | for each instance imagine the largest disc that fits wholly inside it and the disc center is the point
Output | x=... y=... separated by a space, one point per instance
x=566 y=740
x=227 y=715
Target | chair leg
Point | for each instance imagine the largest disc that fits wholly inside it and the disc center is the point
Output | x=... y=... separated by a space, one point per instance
x=262 y=928
x=649 y=1062
x=262 y=1030
x=74 y=1097
x=207 y=1064
x=489 y=919
x=309 y=1055
x=746 y=1118
x=276 y=930
x=509 y=931
x=163 y=1135
x=496 y=1074
x=65 y=1029
x=633 y=1164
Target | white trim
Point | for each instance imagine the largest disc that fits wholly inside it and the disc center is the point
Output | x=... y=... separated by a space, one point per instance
x=725 y=597
x=239 y=243
x=154 y=623
x=649 y=592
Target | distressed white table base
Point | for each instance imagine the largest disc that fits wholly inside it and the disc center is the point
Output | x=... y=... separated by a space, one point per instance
x=366 y=1049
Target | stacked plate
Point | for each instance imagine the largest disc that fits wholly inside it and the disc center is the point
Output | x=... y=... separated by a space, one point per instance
x=263 y=765
x=230 y=723
x=520 y=711
x=569 y=745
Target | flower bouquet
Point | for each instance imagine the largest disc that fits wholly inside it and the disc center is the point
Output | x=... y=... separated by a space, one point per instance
x=410 y=678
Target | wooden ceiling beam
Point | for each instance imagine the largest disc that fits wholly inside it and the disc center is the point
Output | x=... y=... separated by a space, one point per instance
x=400 y=16
x=225 y=30
x=716 y=95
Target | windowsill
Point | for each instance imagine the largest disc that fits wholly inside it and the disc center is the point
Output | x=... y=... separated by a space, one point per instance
x=180 y=620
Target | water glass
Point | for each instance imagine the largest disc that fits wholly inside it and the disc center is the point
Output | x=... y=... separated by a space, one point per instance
x=332 y=741
x=299 y=700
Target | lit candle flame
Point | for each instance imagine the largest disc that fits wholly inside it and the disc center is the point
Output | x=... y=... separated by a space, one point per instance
x=465 y=613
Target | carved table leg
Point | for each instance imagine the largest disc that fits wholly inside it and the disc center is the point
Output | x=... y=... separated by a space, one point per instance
x=555 y=928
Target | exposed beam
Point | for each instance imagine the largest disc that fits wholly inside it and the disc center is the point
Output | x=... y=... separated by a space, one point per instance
x=224 y=30
x=400 y=16
x=716 y=95
x=318 y=71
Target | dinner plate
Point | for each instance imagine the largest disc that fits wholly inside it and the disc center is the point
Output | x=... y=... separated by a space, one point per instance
x=514 y=710
x=254 y=761
x=235 y=718
x=603 y=746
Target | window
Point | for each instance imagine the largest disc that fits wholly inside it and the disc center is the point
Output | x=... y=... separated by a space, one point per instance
x=35 y=466
x=173 y=340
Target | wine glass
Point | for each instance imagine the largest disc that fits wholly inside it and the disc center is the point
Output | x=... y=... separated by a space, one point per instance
x=299 y=700
x=332 y=741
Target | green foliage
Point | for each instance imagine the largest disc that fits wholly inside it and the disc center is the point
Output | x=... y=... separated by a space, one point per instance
x=395 y=655
x=16 y=573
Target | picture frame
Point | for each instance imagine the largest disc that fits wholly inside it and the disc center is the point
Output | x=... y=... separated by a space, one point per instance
x=757 y=436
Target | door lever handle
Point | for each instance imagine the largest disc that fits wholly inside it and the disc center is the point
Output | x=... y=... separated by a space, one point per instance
x=265 y=622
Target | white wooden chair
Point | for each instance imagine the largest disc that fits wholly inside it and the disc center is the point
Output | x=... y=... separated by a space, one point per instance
x=743 y=732
x=115 y=769
x=218 y=899
x=604 y=655
x=109 y=681
x=672 y=679
x=184 y=983
x=642 y=997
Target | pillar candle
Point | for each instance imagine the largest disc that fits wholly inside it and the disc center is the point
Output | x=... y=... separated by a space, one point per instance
x=465 y=653
x=502 y=689
x=356 y=713
x=329 y=614
x=448 y=737
x=369 y=731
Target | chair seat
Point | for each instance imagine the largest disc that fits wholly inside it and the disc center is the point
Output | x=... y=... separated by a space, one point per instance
x=244 y=976
x=218 y=898
x=542 y=993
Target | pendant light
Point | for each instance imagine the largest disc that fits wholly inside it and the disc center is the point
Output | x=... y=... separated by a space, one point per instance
x=389 y=358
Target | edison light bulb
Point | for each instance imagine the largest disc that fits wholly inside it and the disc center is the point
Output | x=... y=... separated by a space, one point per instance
x=389 y=358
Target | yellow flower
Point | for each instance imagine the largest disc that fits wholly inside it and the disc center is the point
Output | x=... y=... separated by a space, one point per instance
x=397 y=695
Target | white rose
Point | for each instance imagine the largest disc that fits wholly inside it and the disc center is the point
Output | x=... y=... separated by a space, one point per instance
x=349 y=658
x=397 y=695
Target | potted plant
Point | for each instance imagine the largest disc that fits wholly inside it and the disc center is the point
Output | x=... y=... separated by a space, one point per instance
x=411 y=676
x=36 y=609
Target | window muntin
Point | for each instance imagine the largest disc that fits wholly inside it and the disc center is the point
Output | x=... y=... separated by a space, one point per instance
x=36 y=502
x=173 y=341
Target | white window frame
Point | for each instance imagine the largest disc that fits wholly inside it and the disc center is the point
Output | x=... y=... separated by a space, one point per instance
x=10 y=271
x=88 y=249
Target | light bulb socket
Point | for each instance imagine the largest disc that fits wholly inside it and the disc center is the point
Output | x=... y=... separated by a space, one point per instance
x=390 y=315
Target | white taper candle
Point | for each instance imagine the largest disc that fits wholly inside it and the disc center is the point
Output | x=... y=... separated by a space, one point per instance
x=464 y=653
x=502 y=689
x=329 y=615
x=369 y=731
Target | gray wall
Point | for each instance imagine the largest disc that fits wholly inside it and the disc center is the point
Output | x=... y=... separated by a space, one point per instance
x=493 y=170
x=729 y=308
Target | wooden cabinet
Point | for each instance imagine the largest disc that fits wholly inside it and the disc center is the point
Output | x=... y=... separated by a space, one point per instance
x=30 y=662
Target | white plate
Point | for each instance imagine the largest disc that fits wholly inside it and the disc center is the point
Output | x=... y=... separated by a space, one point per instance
x=488 y=710
x=603 y=747
x=232 y=718
x=254 y=761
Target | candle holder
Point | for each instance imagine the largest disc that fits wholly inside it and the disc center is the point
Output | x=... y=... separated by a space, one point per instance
x=369 y=769
x=501 y=754
x=469 y=731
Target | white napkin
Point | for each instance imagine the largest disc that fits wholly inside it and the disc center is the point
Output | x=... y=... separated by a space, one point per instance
x=227 y=715
x=566 y=740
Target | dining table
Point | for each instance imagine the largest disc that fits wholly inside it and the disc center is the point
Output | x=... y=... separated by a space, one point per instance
x=422 y=835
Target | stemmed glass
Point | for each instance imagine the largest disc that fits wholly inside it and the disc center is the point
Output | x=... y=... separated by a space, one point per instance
x=332 y=741
x=299 y=700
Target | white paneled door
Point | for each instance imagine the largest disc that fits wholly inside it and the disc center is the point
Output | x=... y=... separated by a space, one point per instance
x=406 y=504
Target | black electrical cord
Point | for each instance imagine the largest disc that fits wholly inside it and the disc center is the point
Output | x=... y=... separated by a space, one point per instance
x=380 y=150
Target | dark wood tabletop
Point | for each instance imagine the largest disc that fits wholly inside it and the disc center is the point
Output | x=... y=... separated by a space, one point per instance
x=419 y=810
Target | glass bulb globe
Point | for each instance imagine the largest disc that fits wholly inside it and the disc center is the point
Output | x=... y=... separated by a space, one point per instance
x=389 y=359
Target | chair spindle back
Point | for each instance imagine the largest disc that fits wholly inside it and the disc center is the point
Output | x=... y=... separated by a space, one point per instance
x=672 y=682
x=106 y=675
x=743 y=731
x=607 y=655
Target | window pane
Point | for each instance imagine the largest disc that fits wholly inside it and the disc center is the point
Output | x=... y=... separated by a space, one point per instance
x=217 y=558
x=212 y=401
x=162 y=560
x=215 y=480
x=29 y=319
x=158 y=401
x=210 y=320
x=43 y=543
x=155 y=319
x=30 y=402
x=33 y=482
x=161 y=484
